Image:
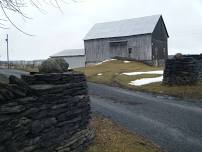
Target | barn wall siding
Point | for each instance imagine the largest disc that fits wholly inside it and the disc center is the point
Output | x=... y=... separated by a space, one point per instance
x=99 y=49
x=159 y=49
x=160 y=41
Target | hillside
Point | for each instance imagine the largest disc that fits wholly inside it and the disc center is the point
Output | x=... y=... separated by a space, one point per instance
x=111 y=72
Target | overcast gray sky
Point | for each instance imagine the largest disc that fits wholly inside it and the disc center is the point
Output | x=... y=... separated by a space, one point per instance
x=55 y=31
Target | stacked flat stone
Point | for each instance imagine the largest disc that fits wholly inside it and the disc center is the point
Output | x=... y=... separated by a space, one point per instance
x=199 y=63
x=55 y=78
x=180 y=71
x=50 y=114
x=198 y=59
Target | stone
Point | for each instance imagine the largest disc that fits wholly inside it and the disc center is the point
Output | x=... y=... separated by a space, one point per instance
x=49 y=122
x=20 y=83
x=37 y=126
x=59 y=106
x=28 y=149
x=73 y=121
x=27 y=100
x=5 y=135
x=17 y=91
x=11 y=109
x=23 y=122
x=6 y=94
x=2 y=98
x=31 y=112
x=2 y=149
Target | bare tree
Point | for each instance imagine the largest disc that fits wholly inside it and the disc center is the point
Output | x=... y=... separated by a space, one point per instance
x=16 y=6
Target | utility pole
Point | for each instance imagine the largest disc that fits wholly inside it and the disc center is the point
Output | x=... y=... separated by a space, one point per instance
x=8 y=62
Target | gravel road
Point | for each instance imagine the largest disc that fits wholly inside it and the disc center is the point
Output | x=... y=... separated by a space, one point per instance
x=173 y=124
x=8 y=72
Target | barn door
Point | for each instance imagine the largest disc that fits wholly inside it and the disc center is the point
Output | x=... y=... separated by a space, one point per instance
x=118 y=49
x=129 y=52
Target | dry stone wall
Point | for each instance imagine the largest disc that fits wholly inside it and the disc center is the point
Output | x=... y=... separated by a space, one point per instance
x=186 y=70
x=198 y=59
x=45 y=113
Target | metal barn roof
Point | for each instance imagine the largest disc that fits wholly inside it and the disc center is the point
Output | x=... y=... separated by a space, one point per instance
x=129 y=27
x=72 y=52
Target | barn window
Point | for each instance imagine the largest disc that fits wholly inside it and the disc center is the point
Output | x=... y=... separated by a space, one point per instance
x=129 y=50
x=117 y=43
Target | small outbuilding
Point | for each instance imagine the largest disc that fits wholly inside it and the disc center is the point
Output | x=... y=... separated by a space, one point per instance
x=75 y=57
x=144 y=39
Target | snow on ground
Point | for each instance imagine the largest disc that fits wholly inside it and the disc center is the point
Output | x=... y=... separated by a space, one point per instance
x=99 y=74
x=145 y=81
x=105 y=61
x=148 y=72
x=126 y=61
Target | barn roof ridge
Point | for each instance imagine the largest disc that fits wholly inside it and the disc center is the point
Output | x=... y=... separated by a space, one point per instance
x=130 y=19
x=126 y=27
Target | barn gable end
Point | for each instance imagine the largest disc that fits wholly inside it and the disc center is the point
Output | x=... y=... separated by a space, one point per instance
x=160 y=42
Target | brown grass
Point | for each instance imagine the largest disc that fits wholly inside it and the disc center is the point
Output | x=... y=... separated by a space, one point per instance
x=112 y=69
x=191 y=92
x=112 y=76
x=112 y=138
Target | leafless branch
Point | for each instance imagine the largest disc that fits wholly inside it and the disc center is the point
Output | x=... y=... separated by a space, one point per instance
x=4 y=12
x=16 y=6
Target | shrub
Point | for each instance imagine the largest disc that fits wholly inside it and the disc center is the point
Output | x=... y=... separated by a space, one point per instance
x=178 y=56
x=52 y=65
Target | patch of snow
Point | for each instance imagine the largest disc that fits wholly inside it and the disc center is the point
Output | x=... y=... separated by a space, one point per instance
x=145 y=81
x=109 y=60
x=126 y=61
x=99 y=74
x=105 y=61
x=98 y=63
x=148 y=72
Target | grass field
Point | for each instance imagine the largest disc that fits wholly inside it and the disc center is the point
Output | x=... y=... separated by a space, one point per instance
x=110 y=73
x=112 y=138
x=112 y=69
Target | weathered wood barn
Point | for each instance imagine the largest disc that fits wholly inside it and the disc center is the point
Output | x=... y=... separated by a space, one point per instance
x=75 y=57
x=144 y=39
